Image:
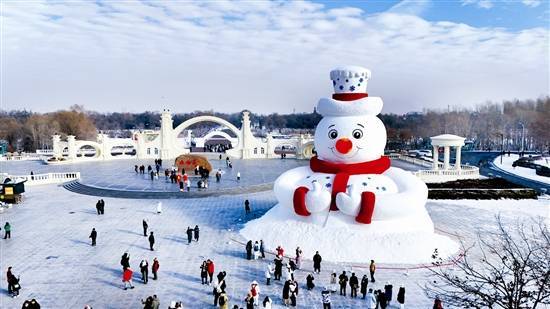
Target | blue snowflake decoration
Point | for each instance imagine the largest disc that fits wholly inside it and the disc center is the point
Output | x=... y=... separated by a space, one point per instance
x=361 y=80
x=383 y=188
x=364 y=184
x=328 y=185
x=347 y=81
x=351 y=88
x=341 y=87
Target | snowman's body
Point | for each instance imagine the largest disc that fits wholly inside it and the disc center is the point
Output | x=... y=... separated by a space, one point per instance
x=349 y=191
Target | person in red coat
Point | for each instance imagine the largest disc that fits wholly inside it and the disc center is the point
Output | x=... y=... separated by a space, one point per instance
x=127 y=278
x=155 y=268
x=280 y=251
x=211 y=268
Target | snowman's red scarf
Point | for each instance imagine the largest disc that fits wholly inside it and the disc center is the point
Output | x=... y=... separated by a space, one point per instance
x=343 y=171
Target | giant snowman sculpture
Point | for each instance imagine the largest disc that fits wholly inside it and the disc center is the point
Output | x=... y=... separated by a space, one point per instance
x=349 y=204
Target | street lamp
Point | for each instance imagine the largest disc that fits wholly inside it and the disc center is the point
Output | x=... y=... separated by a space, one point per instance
x=501 y=146
x=522 y=135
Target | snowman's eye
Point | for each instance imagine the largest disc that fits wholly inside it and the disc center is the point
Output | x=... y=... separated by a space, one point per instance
x=333 y=134
x=357 y=133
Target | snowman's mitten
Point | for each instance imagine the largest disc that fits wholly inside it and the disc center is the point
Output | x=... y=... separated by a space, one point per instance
x=349 y=202
x=311 y=201
x=318 y=199
x=367 y=208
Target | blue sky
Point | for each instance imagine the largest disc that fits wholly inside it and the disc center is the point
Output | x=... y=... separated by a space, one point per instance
x=513 y=15
x=269 y=56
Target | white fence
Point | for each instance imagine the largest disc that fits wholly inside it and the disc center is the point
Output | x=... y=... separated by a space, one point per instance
x=21 y=157
x=440 y=175
x=44 y=179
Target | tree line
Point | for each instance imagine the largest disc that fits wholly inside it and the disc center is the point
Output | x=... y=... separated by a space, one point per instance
x=490 y=125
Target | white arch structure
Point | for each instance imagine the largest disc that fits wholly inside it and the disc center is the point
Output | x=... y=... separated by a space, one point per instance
x=165 y=144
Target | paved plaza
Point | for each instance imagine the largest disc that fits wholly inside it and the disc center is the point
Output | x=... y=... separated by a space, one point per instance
x=51 y=251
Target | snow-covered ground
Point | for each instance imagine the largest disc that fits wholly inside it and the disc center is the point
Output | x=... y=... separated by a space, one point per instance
x=529 y=173
x=50 y=249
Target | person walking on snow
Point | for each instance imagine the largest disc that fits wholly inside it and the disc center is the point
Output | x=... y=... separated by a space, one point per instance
x=246 y=207
x=125 y=260
x=353 y=284
x=210 y=269
x=343 y=281
x=268 y=273
x=325 y=294
x=401 y=297
x=93 y=236
x=280 y=251
x=151 y=241
x=256 y=250
x=204 y=273
x=249 y=250
x=372 y=269
x=145 y=226
x=127 y=278
x=364 y=285
x=388 y=291
x=298 y=258
x=238 y=176
x=7 y=230
x=13 y=283
x=278 y=267
x=317 y=262
x=255 y=291
x=262 y=249
x=144 y=268
x=155 y=268
x=189 y=234
x=371 y=300
x=309 y=282
x=267 y=303
x=196 y=231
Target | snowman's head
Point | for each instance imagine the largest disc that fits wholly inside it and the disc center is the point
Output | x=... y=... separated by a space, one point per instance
x=350 y=139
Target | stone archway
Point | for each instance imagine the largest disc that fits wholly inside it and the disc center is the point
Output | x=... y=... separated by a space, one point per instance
x=184 y=125
x=308 y=150
x=80 y=144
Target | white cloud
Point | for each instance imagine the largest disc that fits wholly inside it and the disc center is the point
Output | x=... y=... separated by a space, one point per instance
x=265 y=56
x=531 y=3
x=484 y=4
x=410 y=7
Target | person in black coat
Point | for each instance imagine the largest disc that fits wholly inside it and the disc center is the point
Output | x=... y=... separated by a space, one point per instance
x=401 y=296
x=381 y=299
x=286 y=292
x=98 y=207
x=388 y=292
x=93 y=236
x=145 y=226
x=278 y=268
x=102 y=206
x=364 y=285
x=247 y=207
x=151 y=241
x=249 y=250
x=125 y=260
x=353 y=284
x=309 y=282
x=189 y=234
x=317 y=262
x=196 y=230
x=343 y=281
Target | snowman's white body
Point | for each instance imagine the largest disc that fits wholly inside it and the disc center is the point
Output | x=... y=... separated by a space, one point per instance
x=350 y=133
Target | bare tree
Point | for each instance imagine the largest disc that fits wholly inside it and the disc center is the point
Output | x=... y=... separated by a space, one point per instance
x=511 y=270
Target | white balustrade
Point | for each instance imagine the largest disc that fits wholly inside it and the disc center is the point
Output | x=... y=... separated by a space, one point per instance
x=440 y=174
x=48 y=178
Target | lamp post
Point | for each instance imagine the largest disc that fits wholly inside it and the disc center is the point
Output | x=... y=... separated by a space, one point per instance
x=501 y=146
x=522 y=135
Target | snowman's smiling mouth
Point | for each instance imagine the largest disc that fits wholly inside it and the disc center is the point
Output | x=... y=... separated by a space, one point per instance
x=345 y=157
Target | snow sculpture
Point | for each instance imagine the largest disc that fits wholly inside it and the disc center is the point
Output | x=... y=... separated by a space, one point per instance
x=349 y=190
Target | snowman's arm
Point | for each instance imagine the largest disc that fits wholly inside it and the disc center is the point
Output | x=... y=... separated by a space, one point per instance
x=287 y=183
x=412 y=194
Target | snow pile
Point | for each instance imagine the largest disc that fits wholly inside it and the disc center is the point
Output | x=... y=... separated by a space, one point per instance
x=343 y=240
x=529 y=173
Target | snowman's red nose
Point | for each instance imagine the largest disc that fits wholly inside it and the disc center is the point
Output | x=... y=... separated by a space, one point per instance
x=344 y=145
